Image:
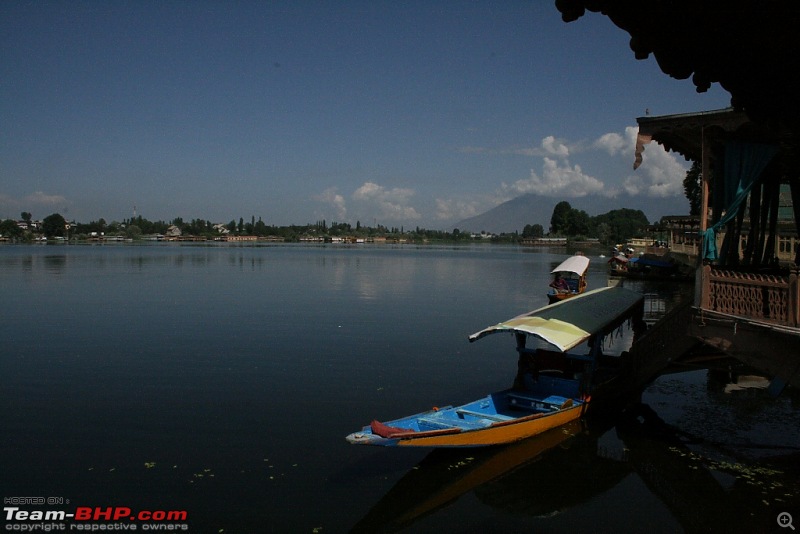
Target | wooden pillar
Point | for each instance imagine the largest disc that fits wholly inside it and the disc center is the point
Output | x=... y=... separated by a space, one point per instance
x=703 y=287
x=701 y=275
x=705 y=171
x=794 y=298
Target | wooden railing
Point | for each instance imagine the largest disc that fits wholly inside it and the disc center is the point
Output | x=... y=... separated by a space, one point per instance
x=761 y=297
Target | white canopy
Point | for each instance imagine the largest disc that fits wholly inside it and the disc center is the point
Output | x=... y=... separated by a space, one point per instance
x=573 y=264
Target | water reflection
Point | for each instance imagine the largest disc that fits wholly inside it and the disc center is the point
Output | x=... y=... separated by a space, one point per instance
x=186 y=358
x=549 y=474
x=55 y=264
x=445 y=475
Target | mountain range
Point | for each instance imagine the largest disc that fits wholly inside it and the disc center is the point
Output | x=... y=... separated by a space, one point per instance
x=514 y=214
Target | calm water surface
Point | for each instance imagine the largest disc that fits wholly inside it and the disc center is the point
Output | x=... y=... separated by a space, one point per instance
x=221 y=380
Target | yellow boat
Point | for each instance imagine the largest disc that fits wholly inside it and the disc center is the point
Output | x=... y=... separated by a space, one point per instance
x=552 y=386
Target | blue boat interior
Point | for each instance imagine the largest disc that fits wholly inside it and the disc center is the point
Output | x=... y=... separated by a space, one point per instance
x=548 y=395
x=549 y=381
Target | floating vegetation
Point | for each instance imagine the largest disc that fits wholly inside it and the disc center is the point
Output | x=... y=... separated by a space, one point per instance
x=205 y=473
x=761 y=478
x=463 y=463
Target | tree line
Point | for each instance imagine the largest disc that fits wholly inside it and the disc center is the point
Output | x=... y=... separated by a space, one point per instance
x=615 y=226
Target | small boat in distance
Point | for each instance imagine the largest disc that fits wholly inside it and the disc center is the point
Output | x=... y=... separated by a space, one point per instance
x=570 y=278
x=552 y=386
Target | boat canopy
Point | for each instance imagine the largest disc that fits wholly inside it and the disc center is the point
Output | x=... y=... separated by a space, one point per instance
x=570 y=322
x=573 y=264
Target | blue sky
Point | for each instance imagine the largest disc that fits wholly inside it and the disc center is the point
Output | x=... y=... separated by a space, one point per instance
x=397 y=113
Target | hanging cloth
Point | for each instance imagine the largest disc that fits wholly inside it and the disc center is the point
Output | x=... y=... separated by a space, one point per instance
x=744 y=163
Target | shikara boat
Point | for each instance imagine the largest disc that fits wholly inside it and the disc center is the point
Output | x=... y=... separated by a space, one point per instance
x=618 y=265
x=573 y=272
x=552 y=386
x=649 y=268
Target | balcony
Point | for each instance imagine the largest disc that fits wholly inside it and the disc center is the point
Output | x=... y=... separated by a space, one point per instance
x=766 y=298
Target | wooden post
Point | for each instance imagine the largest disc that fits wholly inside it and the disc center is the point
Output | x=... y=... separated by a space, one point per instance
x=701 y=275
x=703 y=287
x=705 y=170
x=793 y=315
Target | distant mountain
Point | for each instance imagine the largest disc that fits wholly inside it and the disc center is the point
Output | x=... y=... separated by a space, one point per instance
x=514 y=214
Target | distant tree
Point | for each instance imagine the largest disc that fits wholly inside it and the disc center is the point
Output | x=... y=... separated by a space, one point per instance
x=9 y=229
x=26 y=216
x=692 y=188
x=533 y=230
x=240 y=228
x=560 y=218
x=622 y=224
x=578 y=223
x=603 y=232
x=54 y=225
x=132 y=231
x=260 y=228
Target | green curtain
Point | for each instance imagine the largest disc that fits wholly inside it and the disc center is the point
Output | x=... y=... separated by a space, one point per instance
x=744 y=163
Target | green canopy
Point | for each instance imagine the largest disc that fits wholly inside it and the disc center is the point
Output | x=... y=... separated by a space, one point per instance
x=570 y=322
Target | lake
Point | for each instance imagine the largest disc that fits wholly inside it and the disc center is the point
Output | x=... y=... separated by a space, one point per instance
x=221 y=380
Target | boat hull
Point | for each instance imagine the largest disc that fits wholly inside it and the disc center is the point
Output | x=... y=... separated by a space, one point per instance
x=497 y=434
x=552 y=298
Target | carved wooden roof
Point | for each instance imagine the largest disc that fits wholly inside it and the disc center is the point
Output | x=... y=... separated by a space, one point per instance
x=683 y=133
x=749 y=47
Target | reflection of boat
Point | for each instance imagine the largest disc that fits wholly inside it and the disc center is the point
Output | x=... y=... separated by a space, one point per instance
x=540 y=476
x=445 y=475
x=548 y=476
x=551 y=388
x=572 y=272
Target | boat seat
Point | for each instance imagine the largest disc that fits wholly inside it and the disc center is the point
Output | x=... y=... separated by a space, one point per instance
x=573 y=284
x=479 y=415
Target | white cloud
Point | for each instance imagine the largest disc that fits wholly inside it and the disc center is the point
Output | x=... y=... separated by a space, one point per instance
x=42 y=199
x=334 y=199
x=32 y=203
x=555 y=147
x=613 y=143
x=450 y=209
x=557 y=180
x=8 y=202
x=390 y=204
x=661 y=173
